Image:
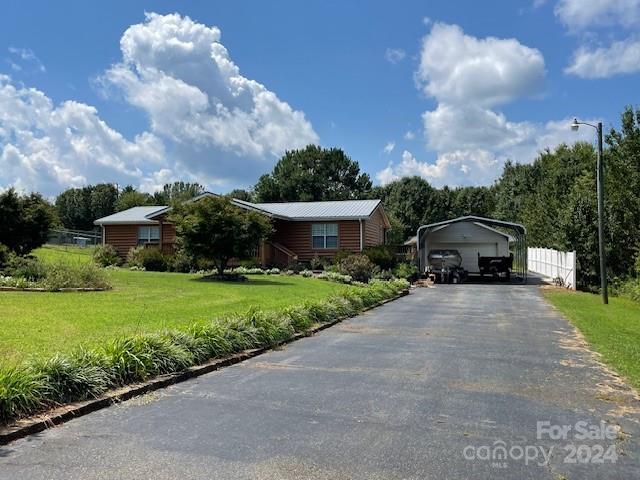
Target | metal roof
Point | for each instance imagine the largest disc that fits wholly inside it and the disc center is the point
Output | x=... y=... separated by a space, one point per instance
x=330 y=210
x=486 y=221
x=135 y=215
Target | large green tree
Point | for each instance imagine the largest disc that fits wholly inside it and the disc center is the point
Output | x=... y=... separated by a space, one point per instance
x=312 y=174
x=78 y=207
x=25 y=221
x=177 y=192
x=216 y=230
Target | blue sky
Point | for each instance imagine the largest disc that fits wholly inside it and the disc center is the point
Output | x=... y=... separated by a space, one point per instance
x=215 y=93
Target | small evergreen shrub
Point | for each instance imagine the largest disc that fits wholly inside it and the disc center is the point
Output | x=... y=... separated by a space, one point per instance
x=106 y=255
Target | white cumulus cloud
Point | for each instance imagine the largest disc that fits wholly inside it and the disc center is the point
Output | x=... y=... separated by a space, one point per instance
x=46 y=147
x=584 y=14
x=456 y=68
x=621 y=57
x=207 y=122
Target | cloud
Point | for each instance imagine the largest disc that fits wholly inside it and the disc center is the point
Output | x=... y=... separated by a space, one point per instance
x=24 y=59
x=467 y=77
x=409 y=135
x=578 y=15
x=456 y=68
x=621 y=57
x=219 y=127
x=477 y=159
x=388 y=148
x=394 y=55
x=45 y=147
x=470 y=127
x=592 y=19
x=178 y=72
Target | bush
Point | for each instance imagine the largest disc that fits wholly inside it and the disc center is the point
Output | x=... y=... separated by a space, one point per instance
x=358 y=267
x=5 y=255
x=151 y=259
x=408 y=271
x=67 y=275
x=106 y=255
x=341 y=255
x=335 y=277
x=306 y=273
x=318 y=263
x=28 y=268
x=181 y=262
x=383 y=256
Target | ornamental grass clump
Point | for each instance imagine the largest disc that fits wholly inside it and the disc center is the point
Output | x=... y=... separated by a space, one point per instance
x=87 y=373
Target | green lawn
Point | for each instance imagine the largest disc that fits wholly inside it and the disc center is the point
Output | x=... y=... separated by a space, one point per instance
x=39 y=324
x=613 y=330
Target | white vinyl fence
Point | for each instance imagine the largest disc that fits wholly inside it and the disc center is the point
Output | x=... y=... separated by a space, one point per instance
x=556 y=266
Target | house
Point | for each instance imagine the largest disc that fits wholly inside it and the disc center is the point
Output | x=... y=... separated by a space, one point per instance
x=302 y=230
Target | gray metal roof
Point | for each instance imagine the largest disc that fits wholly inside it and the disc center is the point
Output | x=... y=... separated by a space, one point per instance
x=330 y=210
x=135 y=215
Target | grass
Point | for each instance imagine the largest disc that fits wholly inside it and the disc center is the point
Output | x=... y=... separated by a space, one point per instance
x=37 y=325
x=35 y=386
x=613 y=330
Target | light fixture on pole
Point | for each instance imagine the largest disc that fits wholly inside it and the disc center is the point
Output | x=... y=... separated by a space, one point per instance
x=600 y=183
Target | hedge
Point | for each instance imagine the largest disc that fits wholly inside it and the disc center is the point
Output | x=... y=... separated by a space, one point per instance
x=35 y=386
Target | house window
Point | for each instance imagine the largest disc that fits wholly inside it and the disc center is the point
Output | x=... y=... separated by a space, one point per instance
x=325 y=235
x=148 y=235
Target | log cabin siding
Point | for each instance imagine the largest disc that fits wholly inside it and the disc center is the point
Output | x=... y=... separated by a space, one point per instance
x=374 y=228
x=123 y=237
x=296 y=236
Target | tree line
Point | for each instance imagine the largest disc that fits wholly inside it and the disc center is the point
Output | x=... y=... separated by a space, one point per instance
x=554 y=197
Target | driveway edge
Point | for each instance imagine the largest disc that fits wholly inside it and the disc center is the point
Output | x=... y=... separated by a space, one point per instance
x=60 y=415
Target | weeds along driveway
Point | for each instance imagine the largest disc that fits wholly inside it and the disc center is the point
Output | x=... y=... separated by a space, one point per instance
x=420 y=388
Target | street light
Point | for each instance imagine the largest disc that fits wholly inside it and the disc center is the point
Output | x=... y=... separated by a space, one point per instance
x=600 y=178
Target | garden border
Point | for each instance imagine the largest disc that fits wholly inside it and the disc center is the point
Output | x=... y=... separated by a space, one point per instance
x=45 y=290
x=38 y=423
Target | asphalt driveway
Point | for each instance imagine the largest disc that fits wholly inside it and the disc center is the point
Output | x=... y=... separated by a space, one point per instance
x=423 y=387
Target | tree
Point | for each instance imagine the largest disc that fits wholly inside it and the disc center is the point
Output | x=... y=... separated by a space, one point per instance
x=313 y=174
x=130 y=197
x=78 y=207
x=412 y=202
x=177 y=192
x=240 y=194
x=25 y=221
x=214 y=229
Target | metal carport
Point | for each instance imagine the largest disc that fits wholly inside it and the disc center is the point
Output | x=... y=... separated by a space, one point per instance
x=518 y=231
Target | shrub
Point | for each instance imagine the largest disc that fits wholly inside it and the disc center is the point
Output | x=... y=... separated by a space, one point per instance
x=106 y=255
x=341 y=255
x=5 y=254
x=29 y=268
x=181 y=262
x=272 y=271
x=318 y=263
x=68 y=275
x=358 y=267
x=383 y=256
x=151 y=259
x=306 y=273
x=335 y=277
x=408 y=271
x=383 y=275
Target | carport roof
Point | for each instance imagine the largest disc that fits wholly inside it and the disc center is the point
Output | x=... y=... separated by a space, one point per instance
x=472 y=218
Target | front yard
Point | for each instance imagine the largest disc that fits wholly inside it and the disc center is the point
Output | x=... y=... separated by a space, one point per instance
x=613 y=330
x=39 y=324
